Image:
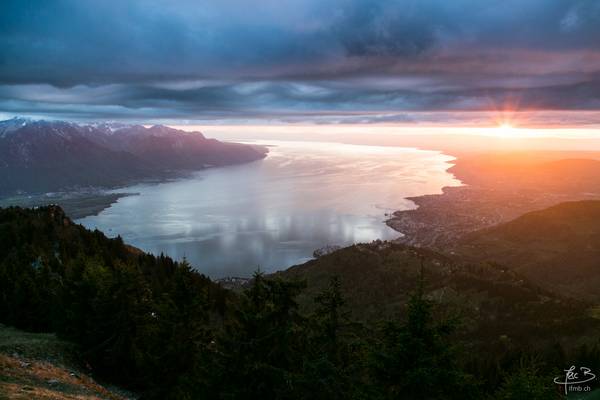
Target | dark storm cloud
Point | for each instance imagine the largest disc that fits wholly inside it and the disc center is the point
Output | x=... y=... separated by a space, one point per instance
x=367 y=28
x=191 y=59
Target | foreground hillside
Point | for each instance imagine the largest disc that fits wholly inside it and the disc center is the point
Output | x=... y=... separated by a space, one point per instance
x=130 y=312
x=44 y=156
x=558 y=247
x=40 y=366
x=369 y=321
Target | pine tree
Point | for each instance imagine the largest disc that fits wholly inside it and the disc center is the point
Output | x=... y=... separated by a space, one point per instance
x=416 y=359
x=329 y=315
x=527 y=383
x=260 y=350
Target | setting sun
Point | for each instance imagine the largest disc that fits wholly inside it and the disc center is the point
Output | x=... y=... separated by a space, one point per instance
x=507 y=130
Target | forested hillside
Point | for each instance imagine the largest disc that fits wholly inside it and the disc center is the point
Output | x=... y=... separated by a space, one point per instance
x=558 y=247
x=136 y=317
x=377 y=321
x=492 y=300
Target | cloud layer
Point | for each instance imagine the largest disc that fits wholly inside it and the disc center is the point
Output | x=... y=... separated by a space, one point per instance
x=232 y=59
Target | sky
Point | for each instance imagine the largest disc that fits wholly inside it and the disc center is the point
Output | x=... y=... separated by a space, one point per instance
x=302 y=61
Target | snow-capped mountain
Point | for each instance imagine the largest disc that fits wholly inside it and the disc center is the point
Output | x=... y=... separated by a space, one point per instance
x=13 y=124
x=40 y=156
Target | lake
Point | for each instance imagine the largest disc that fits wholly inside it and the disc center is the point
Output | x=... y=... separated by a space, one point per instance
x=274 y=213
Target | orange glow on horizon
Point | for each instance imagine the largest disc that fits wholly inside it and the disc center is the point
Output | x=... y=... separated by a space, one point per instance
x=506 y=126
x=502 y=129
x=507 y=130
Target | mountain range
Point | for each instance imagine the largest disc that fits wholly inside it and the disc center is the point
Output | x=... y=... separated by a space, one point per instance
x=42 y=156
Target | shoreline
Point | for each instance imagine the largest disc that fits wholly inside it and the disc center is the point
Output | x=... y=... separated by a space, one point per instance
x=492 y=190
x=496 y=188
x=91 y=201
x=76 y=205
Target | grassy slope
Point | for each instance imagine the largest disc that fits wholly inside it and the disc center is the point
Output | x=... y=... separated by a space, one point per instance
x=40 y=366
x=558 y=247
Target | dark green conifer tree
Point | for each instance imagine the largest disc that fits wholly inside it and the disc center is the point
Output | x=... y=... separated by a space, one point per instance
x=417 y=359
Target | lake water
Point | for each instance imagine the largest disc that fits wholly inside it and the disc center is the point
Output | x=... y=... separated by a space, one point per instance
x=274 y=213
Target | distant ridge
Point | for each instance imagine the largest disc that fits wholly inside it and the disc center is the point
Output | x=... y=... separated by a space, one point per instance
x=39 y=156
